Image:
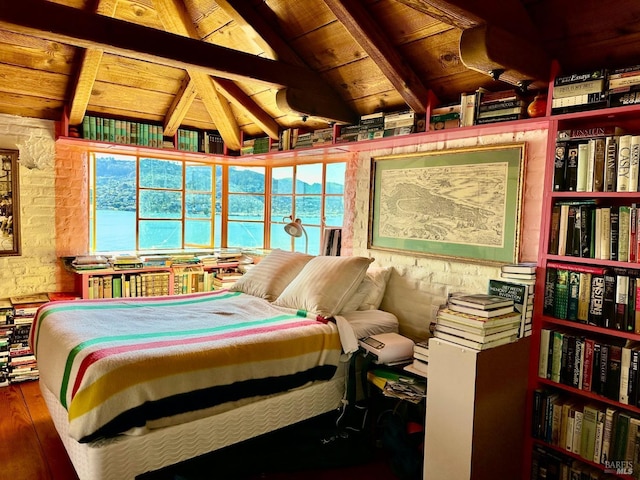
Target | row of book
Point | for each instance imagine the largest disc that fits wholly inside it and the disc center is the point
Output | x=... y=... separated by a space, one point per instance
x=225 y=257
x=596 y=89
x=17 y=361
x=602 y=435
x=153 y=284
x=602 y=366
x=370 y=126
x=483 y=106
x=582 y=229
x=550 y=464
x=600 y=296
x=606 y=160
x=149 y=135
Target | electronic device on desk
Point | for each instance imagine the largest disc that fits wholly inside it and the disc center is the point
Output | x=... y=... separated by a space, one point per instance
x=388 y=348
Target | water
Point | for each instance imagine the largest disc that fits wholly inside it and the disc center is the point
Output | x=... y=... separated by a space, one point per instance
x=116 y=232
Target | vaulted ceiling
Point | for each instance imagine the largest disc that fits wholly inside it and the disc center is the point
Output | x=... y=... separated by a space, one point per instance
x=254 y=67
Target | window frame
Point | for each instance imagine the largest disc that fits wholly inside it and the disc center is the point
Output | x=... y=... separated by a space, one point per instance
x=219 y=167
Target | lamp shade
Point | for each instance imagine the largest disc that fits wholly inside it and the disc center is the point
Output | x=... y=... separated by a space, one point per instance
x=294 y=228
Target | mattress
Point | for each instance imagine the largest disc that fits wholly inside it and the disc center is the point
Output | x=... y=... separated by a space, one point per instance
x=124 y=457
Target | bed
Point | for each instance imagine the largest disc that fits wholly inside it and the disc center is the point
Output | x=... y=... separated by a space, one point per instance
x=134 y=385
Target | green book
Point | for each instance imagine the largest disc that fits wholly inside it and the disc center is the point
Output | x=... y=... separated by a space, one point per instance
x=117 y=287
x=561 y=294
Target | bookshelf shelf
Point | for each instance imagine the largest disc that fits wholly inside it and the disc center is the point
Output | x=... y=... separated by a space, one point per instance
x=570 y=331
x=91 y=283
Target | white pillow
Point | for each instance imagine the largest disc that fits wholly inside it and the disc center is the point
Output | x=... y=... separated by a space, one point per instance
x=324 y=284
x=377 y=278
x=269 y=277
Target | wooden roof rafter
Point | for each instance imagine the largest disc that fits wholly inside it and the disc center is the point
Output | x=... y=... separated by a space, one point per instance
x=367 y=34
x=88 y=71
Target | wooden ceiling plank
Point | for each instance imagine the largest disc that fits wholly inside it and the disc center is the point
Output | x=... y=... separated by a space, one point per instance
x=86 y=77
x=367 y=34
x=244 y=102
x=75 y=27
x=181 y=103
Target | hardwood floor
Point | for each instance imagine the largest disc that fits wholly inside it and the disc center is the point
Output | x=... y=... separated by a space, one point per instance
x=33 y=450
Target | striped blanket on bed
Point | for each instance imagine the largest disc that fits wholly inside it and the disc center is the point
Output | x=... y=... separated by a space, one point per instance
x=127 y=365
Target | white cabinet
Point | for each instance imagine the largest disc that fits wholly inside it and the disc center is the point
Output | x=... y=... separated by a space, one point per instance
x=476 y=411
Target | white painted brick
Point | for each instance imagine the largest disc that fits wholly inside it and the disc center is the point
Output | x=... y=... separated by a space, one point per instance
x=34 y=270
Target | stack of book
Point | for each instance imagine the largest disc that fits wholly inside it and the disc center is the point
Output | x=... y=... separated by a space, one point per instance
x=477 y=321
x=420 y=363
x=624 y=86
x=579 y=91
x=223 y=280
x=22 y=362
x=322 y=136
x=6 y=332
x=89 y=262
x=517 y=282
x=371 y=126
x=126 y=262
x=446 y=116
x=348 y=133
x=499 y=106
x=399 y=123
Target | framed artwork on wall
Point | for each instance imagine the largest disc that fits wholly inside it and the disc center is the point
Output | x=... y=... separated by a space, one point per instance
x=461 y=204
x=9 y=204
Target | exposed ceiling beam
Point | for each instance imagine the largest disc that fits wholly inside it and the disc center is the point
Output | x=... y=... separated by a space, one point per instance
x=368 y=35
x=175 y=19
x=86 y=77
x=182 y=101
x=510 y=15
x=72 y=26
x=294 y=101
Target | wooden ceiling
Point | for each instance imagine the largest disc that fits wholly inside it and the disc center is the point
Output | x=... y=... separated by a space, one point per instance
x=257 y=66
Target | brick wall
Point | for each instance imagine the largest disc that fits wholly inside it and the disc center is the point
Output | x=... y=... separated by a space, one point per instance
x=36 y=269
x=419 y=284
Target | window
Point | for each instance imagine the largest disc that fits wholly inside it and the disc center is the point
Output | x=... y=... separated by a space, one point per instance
x=140 y=203
x=144 y=204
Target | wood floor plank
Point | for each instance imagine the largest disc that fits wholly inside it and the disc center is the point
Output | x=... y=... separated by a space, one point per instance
x=22 y=458
x=54 y=452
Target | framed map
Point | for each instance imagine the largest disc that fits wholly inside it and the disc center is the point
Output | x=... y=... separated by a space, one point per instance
x=461 y=204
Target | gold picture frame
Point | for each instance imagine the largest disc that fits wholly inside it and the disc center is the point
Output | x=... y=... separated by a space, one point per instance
x=9 y=204
x=461 y=204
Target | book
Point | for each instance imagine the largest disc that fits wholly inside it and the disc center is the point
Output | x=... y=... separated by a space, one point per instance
x=559 y=164
x=579 y=77
x=494 y=312
x=623 y=163
x=483 y=337
x=455 y=340
x=478 y=321
x=481 y=301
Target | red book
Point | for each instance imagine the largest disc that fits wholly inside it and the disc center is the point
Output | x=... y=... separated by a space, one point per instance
x=633 y=234
x=587 y=366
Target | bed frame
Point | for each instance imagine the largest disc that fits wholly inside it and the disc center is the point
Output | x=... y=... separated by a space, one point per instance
x=125 y=457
